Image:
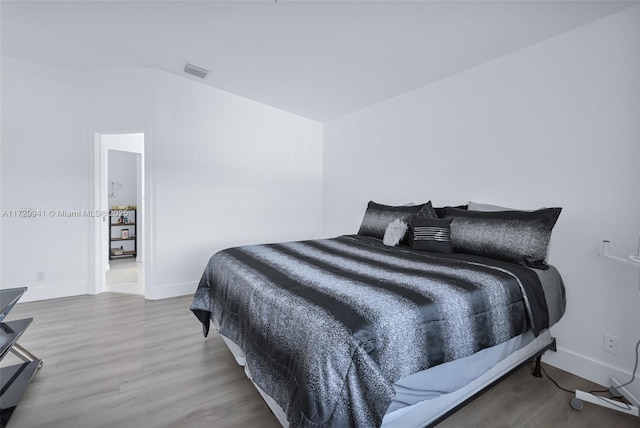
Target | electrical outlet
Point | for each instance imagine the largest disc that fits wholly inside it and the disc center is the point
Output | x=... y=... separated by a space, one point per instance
x=611 y=344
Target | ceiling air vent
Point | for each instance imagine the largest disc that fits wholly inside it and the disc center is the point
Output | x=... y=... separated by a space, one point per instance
x=195 y=71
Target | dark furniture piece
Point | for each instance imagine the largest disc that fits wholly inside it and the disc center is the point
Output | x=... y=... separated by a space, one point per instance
x=116 y=227
x=13 y=379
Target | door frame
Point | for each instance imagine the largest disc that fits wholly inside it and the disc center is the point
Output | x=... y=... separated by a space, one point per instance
x=99 y=257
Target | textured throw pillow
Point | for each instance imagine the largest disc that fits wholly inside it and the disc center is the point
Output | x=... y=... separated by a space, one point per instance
x=377 y=217
x=427 y=211
x=394 y=233
x=430 y=234
x=515 y=236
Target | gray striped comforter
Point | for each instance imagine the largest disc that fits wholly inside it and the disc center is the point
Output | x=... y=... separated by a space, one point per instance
x=327 y=326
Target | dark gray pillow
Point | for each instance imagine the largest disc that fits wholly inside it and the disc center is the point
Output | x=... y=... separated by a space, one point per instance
x=440 y=210
x=516 y=236
x=377 y=217
x=430 y=234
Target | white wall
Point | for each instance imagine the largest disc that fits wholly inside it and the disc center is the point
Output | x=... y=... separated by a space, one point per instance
x=221 y=170
x=227 y=171
x=44 y=167
x=123 y=175
x=555 y=124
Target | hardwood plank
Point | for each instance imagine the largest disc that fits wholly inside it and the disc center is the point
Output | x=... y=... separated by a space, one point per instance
x=117 y=360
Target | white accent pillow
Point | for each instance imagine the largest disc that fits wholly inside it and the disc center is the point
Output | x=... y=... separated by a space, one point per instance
x=394 y=233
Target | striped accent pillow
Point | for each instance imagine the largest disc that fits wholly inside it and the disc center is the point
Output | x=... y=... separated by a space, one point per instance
x=430 y=234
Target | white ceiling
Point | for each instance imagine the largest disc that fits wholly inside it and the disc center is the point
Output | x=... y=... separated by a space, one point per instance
x=318 y=59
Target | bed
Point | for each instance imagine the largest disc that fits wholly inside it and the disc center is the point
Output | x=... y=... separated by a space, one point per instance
x=349 y=331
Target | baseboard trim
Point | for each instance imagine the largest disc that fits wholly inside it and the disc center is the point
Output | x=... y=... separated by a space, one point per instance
x=170 y=290
x=593 y=370
x=53 y=291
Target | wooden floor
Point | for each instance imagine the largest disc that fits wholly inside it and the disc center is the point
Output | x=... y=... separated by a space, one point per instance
x=116 y=360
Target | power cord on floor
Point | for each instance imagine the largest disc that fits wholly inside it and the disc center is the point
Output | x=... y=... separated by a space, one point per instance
x=556 y=383
x=624 y=405
x=635 y=368
x=593 y=392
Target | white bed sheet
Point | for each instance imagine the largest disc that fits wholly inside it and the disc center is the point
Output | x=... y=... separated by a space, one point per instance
x=449 y=377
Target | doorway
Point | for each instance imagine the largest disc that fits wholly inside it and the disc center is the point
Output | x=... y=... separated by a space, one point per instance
x=120 y=230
